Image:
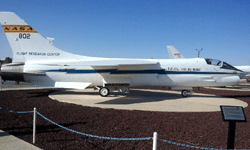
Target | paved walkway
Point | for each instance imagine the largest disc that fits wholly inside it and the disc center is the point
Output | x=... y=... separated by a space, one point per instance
x=232 y=88
x=10 y=142
x=7 y=141
x=148 y=100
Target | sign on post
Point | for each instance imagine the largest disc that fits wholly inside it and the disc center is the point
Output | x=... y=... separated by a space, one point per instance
x=232 y=114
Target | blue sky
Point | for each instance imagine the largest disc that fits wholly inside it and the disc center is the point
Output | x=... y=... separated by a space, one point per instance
x=140 y=29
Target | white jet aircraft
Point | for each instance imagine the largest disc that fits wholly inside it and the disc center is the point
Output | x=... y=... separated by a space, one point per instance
x=36 y=60
x=175 y=54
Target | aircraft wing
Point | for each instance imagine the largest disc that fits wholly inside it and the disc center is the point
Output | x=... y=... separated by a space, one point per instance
x=96 y=64
x=100 y=63
x=111 y=66
x=103 y=65
x=127 y=66
x=118 y=63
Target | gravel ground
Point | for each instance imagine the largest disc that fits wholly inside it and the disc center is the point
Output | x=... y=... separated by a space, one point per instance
x=204 y=129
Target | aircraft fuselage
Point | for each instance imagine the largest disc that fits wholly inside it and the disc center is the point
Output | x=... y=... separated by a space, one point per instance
x=168 y=73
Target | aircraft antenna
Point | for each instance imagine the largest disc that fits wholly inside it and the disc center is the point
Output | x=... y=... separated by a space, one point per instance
x=198 y=52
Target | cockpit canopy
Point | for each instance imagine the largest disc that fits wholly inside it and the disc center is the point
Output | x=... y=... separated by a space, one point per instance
x=214 y=62
x=222 y=65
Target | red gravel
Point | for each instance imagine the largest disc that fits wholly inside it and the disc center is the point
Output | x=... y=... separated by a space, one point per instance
x=205 y=129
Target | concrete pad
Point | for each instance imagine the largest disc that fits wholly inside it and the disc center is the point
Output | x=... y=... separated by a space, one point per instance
x=147 y=100
x=232 y=88
x=9 y=142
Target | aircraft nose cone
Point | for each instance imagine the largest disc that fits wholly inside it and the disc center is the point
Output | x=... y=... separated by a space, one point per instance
x=233 y=80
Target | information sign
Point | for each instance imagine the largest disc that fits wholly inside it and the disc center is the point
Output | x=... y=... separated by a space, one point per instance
x=233 y=113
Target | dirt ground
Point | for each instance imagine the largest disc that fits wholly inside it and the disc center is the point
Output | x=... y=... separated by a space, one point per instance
x=204 y=129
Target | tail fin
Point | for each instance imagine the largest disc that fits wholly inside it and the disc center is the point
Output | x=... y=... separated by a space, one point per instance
x=27 y=44
x=174 y=53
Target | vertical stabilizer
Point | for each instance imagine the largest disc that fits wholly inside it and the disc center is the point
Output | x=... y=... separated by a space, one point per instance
x=27 y=44
x=174 y=53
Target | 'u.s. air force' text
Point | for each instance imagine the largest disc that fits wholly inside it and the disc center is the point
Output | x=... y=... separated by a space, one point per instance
x=38 y=54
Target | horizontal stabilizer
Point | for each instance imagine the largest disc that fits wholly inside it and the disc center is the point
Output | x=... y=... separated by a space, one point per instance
x=23 y=73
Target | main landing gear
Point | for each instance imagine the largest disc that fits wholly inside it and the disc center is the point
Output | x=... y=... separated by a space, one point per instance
x=104 y=92
x=186 y=93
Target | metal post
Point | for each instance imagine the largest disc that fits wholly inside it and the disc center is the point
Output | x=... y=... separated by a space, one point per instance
x=34 y=127
x=155 y=141
x=1 y=83
x=231 y=134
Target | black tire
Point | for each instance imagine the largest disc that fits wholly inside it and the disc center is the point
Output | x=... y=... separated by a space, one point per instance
x=184 y=93
x=104 y=92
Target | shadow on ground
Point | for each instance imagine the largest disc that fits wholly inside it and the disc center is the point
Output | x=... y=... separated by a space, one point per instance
x=134 y=96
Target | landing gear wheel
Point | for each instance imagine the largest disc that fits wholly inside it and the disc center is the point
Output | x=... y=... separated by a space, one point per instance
x=185 y=93
x=104 y=92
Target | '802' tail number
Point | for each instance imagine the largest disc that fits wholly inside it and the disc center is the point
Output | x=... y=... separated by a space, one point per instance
x=24 y=36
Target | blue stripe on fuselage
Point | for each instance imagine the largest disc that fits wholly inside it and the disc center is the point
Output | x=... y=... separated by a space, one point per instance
x=112 y=71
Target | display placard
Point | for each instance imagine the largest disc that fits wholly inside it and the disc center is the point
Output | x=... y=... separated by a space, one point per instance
x=233 y=113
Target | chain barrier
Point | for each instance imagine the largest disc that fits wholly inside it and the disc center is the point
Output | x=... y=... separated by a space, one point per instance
x=189 y=146
x=17 y=112
x=196 y=147
x=94 y=136
x=113 y=138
